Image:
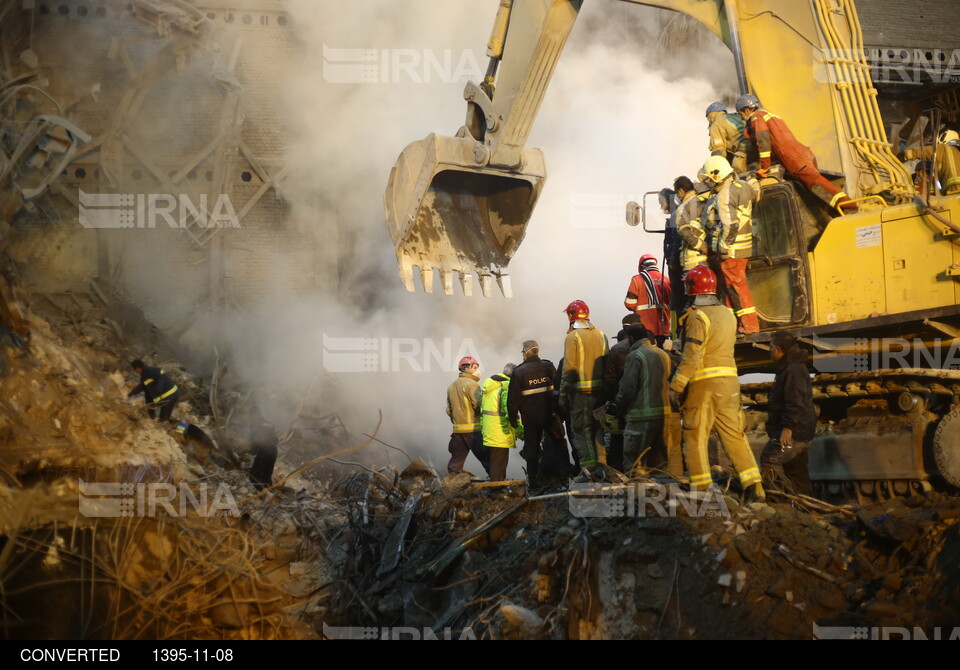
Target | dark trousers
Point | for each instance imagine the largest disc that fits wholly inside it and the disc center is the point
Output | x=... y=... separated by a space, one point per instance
x=163 y=409
x=532 y=452
x=261 y=474
x=499 y=456
x=461 y=445
x=786 y=468
x=615 y=452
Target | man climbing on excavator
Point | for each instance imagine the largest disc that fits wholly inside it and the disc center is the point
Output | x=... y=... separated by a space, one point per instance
x=775 y=140
x=727 y=139
x=728 y=215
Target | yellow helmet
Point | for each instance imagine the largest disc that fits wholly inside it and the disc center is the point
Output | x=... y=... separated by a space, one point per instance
x=716 y=169
x=949 y=137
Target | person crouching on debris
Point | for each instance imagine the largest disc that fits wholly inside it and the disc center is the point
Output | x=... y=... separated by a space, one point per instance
x=159 y=391
x=263 y=443
x=792 y=420
x=499 y=436
x=463 y=408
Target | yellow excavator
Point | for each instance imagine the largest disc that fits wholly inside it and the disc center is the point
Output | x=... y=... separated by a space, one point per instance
x=873 y=294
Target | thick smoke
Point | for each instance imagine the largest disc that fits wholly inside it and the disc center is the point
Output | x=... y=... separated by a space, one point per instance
x=612 y=127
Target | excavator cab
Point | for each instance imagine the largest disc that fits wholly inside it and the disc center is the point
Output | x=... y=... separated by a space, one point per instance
x=448 y=210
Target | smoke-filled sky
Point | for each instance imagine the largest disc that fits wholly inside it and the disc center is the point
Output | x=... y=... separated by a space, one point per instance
x=611 y=126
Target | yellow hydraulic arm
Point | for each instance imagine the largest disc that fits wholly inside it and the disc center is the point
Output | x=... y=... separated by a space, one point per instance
x=461 y=204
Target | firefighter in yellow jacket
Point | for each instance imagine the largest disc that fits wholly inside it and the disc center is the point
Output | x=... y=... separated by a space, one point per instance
x=581 y=387
x=463 y=408
x=499 y=437
x=707 y=374
x=948 y=160
x=728 y=216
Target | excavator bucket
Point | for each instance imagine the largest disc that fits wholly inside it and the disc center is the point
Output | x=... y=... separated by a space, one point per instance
x=450 y=211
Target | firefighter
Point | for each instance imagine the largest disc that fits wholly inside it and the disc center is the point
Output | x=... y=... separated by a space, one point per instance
x=706 y=386
x=581 y=387
x=948 y=161
x=530 y=400
x=726 y=137
x=159 y=391
x=648 y=296
x=463 y=408
x=499 y=436
x=693 y=245
x=729 y=218
x=774 y=140
x=612 y=373
x=670 y=200
x=643 y=400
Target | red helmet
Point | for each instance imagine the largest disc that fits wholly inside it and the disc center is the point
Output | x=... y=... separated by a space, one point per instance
x=700 y=281
x=577 y=310
x=644 y=260
x=467 y=361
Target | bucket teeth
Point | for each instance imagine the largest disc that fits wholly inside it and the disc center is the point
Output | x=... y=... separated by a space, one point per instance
x=446 y=276
x=466 y=281
x=503 y=280
x=406 y=275
x=426 y=278
x=486 y=285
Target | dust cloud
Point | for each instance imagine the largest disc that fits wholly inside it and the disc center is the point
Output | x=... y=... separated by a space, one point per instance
x=612 y=127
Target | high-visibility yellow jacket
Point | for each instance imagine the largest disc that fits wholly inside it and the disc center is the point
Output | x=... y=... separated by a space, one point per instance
x=726 y=136
x=690 y=229
x=729 y=217
x=947 y=167
x=709 y=336
x=583 y=353
x=494 y=417
x=463 y=403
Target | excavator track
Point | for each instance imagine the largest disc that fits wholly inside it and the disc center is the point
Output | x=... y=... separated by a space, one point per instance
x=880 y=433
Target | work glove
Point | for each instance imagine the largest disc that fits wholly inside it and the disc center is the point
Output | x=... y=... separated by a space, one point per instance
x=675 y=400
x=762 y=173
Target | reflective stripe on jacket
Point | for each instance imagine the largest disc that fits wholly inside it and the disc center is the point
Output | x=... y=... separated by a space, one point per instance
x=583 y=354
x=644 y=387
x=693 y=238
x=494 y=419
x=708 y=340
x=463 y=403
x=729 y=216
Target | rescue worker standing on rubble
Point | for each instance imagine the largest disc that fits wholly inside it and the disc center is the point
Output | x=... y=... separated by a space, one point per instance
x=644 y=400
x=612 y=373
x=726 y=137
x=499 y=436
x=648 y=296
x=581 y=387
x=792 y=419
x=463 y=408
x=775 y=140
x=706 y=387
x=530 y=400
x=729 y=218
x=159 y=391
x=948 y=160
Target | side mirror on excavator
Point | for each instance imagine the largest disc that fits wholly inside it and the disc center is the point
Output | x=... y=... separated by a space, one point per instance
x=637 y=213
